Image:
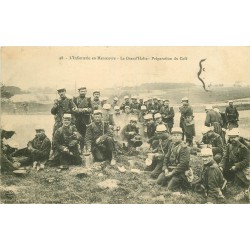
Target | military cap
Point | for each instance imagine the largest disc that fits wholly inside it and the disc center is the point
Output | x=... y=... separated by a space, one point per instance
x=184 y=99
x=217 y=110
x=96 y=91
x=157 y=115
x=208 y=107
x=116 y=98
x=143 y=107
x=233 y=132
x=127 y=107
x=176 y=130
x=106 y=106
x=148 y=116
x=67 y=116
x=133 y=97
x=155 y=98
x=133 y=119
x=61 y=89
x=140 y=98
x=165 y=100
x=161 y=128
x=82 y=88
x=126 y=97
x=150 y=98
x=105 y=98
x=40 y=129
x=116 y=108
x=230 y=101
x=97 y=112
x=8 y=128
x=206 y=129
x=206 y=152
x=13 y=144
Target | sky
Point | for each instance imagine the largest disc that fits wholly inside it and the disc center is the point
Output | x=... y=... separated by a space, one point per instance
x=28 y=67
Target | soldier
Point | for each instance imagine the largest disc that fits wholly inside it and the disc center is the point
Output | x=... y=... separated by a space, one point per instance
x=159 y=121
x=211 y=179
x=104 y=100
x=107 y=116
x=99 y=140
x=115 y=102
x=131 y=134
x=96 y=103
x=214 y=119
x=67 y=143
x=232 y=115
x=37 y=151
x=223 y=125
x=160 y=147
x=235 y=162
x=7 y=162
x=125 y=103
x=153 y=106
x=186 y=119
x=62 y=106
x=176 y=163
x=82 y=112
x=141 y=103
x=167 y=114
x=150 y=125
x=134 y=105
x=213 y=141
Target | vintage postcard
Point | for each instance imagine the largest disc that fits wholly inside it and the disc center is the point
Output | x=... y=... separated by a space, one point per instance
x=125 y=125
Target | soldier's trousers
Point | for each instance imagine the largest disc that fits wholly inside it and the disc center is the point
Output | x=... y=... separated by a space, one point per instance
x=67 y=159
x=157 y=169
x=104 y=151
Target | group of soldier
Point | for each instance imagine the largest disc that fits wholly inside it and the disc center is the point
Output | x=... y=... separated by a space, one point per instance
x=103 y=130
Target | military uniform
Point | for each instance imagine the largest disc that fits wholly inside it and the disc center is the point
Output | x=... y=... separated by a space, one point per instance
x=96 y=104
x=187 y=129
x=105 y=148
x=150 y=128
x=232 y=116
x=153 y=108
x=124 y=104
x=64 y=105
x=82 y=117
x=177 y=158
x=214 y=119
x=108 y=118
x=126 y=133
x=67 y=137
x=239 y=156
x=168 y=116
x=134 y=107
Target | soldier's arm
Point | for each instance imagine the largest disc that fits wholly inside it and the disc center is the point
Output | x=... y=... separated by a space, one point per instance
x=57 y=141
x=207 y=120
x=73 y=107
x=45 y=149
x=77 y=135
x=245 y=153
x=184 y=161
x=54 y=109
x=171 y=112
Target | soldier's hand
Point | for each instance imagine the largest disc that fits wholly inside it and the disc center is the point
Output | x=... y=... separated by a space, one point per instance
x=166 y=172
x=65 y=150
x=56 y=101
x=233 y=168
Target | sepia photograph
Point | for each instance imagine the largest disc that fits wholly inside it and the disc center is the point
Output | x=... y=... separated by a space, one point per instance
x=125 y=125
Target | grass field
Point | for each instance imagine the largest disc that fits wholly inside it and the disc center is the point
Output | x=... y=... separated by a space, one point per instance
x=82 y=184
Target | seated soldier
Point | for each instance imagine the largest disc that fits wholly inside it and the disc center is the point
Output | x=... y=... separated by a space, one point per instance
x=6 y=161
x=37 y=151
x=99 y=140
x=176 y=168
x=211 y=179
x=214 y=141
x=235 y=161
x=161 y=145
x=131 y=134
x=150 y=125
x=159 y=121
x=67 y=144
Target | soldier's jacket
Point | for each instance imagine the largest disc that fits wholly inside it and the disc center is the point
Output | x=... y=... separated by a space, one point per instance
x=151 y=127
x=232 y=114
x=65 y=136
x=178 y=155
x=212 y=117
x=108 y=118
x=64 y=105
x=42 y=147
x=212 y=179
x=81 y=103
x=160 y=143
x=167 y=114
x=154 y=107
x=236 y=155
x=128 y=128
x=134 y=107
x=96 y=105
x=185 y=111
x=124 y=104
x=215 y=140
x=94 y=131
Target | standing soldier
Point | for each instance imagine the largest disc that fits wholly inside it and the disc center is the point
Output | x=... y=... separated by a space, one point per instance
x=232 y=115
x=99 y=140
x=96 y=103
x=186 y=111
x=82 y=112
x=167 y=114
x=125 y=103
x=62 y=106
x=67 y=143
x=176 y=163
